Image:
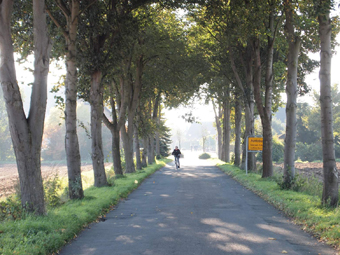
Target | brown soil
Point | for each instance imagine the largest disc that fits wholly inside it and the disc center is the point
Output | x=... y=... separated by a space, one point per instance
x=9 y=174
x=308 y=169
x=9 y=177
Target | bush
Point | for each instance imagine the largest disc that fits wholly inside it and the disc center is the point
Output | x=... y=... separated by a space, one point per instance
x=309 y=185
x=204 y=156
x=278 y=149
x=11 y=209
x=53 y=188
x=308 y=152
x=110 y=175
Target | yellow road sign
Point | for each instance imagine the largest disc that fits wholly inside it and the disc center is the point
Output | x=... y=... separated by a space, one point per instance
x=255 y=143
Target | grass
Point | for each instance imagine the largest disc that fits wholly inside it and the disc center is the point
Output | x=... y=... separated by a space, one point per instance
x=303 y=207
x=47 y=234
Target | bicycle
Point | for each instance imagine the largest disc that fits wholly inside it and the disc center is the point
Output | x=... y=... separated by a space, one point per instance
x=177 y=162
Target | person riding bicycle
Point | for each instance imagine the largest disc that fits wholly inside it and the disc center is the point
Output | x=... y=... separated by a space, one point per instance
x=177 y=154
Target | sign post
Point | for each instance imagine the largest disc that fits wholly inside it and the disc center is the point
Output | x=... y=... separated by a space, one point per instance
x=253 y=144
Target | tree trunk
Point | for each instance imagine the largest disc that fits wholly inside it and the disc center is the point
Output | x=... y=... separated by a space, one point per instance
x=96 y=100
x=113 y=127
x=238 y=118
x=152 y=147
x=71 y=137
x=248 y=97
x=151 y=155
x=219 y=129
x=117 y=162
x=127 y=135
x=26 y=133
x=294 y=43
x=265 y=111
x=330 y=185
x=155 y=120
x=226 y=127
x=145 y=152
x=158 y=141
x=137 y=149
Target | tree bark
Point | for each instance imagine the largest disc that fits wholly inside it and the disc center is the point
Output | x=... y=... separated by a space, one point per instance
x=117 y=163
x=145 y=152
x=238 y=118
x=137 y=148
x=218 y=118
x=294 y=43
x=330 y=185
x=265 y=110
x=155 y=120
x=71 y=137
x=248 y=97
x=158 y=145
x=134 y=94
x=26 y=133
x=96 y=100
x=118 y=120
x=127 y=135
x=226 y=126
x=151 y=147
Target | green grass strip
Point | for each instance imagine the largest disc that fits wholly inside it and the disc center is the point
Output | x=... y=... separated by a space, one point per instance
x=47 y=234
x=305 y=209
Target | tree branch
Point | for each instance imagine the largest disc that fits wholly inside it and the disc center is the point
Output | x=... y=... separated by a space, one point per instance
x=63 y=8
x=56 y=22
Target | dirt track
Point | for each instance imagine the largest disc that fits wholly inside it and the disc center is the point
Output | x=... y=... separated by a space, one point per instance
x=9 y=178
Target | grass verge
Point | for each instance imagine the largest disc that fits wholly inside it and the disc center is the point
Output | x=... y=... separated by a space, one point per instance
x=305 y=209
x=47 y=234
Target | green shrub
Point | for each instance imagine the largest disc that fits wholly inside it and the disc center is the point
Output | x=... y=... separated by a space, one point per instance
x=11 y=209
x=296 y=184
x=53 y=189
x=204 y=156
x=110 y=175
x=278 y=149
x=308 y=152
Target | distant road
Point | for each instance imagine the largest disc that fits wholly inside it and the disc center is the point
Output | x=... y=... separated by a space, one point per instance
x=195 y=210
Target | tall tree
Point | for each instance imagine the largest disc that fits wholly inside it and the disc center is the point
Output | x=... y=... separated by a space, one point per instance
x=26 y=132
x=71 y=11
x=331 y=177
x=294 y=43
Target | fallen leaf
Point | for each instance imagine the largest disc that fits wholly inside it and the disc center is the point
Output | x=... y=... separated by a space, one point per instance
x=191 y=212
x=136 y=181
x=153 y=182
x=285 y=252
x=271 y=238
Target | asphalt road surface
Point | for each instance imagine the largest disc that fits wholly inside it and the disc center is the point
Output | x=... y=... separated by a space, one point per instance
x=194 y=210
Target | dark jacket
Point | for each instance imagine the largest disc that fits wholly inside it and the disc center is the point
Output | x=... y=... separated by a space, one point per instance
x=176 y=152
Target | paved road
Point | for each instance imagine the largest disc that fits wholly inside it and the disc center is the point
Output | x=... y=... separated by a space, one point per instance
x=196 y=210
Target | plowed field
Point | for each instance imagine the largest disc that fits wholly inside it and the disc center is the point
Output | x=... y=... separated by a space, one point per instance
x=9 y=177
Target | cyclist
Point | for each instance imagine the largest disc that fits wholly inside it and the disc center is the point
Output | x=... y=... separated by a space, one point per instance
x=177 y=154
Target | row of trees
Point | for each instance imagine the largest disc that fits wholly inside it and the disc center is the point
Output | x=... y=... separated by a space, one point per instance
x=130 y=57
x=256 y=50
